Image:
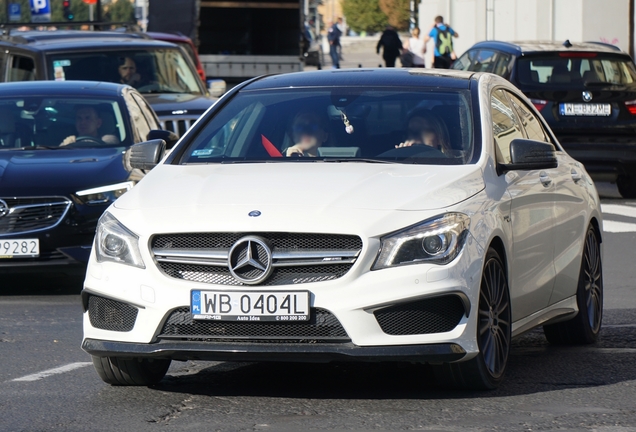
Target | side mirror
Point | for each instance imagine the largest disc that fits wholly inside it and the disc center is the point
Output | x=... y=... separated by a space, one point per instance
x=216 y=87
x=169 y=137
x=530 y=155
x=146 y=155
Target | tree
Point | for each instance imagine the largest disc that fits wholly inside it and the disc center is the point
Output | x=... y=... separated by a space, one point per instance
x=120 y=11
x=398 y=12
x=364 y=15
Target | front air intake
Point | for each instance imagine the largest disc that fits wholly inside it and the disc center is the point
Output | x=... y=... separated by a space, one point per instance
x=434 y=315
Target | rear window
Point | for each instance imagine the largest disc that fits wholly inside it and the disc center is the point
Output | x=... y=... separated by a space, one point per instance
x=573 y=68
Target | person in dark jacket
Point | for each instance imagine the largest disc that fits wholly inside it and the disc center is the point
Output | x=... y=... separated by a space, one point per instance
x=391 y=44
x=333 y=36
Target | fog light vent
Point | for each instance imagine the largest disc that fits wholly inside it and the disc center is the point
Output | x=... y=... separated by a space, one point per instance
x=106 y=314
x=434 y=315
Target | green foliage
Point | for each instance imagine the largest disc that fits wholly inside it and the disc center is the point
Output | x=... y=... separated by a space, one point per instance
x=398 y=12
x=364 y=15
x=120 y=11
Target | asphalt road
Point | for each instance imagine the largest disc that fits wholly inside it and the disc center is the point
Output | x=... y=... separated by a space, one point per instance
x=48 y=383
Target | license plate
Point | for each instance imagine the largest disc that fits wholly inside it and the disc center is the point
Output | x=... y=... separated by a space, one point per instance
x=19 y=248
x=589 y=109
x=250 y=305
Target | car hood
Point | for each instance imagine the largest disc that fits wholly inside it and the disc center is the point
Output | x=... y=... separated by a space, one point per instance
x=165 y=104
x=59 y=172
x=317 y=186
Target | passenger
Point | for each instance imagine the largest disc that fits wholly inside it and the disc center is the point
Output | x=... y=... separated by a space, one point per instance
x=87 y=124
x=309 y=133
x=425 y=128
x=128 y=72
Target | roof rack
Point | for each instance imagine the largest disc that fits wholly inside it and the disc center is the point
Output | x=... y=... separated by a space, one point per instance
x=5 y=28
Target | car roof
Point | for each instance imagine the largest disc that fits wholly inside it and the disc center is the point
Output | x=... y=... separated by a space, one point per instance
x=80 y=39
x=61 y=88
x=380 y=77
x=526 y=47
x=170 y=37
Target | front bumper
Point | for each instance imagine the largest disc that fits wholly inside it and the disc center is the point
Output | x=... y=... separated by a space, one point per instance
x=314 y=353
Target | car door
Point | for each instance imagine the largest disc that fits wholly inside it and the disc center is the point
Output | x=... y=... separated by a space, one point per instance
x=570 y=207
x=531 y=272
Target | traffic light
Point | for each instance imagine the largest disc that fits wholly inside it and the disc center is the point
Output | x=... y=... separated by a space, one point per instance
x=68 y=14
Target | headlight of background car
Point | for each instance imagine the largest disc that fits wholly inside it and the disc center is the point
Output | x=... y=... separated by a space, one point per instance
x=104 y=194
x=438 y=240
x=114 y=242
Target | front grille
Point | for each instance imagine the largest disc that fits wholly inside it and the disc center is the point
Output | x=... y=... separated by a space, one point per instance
x=323 y=327
x=24 y=215
x=177 y=125
x=111 y=315
x=434 y=315
x=297 y=258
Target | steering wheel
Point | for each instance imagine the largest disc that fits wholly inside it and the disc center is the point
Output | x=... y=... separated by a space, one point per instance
x=149 y=88
x=88 y=140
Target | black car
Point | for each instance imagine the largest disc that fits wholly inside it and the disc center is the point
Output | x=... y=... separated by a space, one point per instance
x=62 y=163
x=585 y=91
x=161 y=71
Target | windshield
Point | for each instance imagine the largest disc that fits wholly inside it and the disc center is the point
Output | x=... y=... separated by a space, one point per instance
x=45 y=122
x=339 y=124
x=149 y=71
x=576 y=69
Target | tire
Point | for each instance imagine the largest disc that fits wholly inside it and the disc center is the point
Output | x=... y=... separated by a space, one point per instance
x=487 y=369
x=626 y=186
x=130 y=371
x=585 y=327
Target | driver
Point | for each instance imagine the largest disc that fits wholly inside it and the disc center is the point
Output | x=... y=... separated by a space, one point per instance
x=425 y=128
x=87 y=124
x=128 y=72
x=309 y=133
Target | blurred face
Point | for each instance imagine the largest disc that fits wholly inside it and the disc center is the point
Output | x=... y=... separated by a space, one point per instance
x=87 y=122
x=308 y=134
x=127 y=70
x=416 y=33
x=423 y=130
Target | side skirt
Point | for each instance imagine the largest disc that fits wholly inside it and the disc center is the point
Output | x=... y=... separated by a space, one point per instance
x=560 y=311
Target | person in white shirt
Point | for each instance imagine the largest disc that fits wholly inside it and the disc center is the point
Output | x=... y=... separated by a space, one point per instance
x=416 y=46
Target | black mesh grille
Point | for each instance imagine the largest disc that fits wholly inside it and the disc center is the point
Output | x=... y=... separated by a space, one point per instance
x=434 y=315
x=323 y=327
x=111 y=315
x=278 y=241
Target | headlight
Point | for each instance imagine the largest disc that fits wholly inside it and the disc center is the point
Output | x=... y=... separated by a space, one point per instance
x=103 y=194
x=438 y=240
x=114 y=242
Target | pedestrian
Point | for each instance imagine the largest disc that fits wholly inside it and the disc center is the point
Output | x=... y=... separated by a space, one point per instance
x=341 y=27
x=443 y=36
x=333 y=36
x=391 y=46
x=416 y=47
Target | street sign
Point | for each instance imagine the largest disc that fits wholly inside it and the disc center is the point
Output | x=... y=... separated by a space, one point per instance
x=15 y=12
x=40 y=11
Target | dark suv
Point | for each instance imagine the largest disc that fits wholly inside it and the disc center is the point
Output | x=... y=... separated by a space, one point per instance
x=585 y=91
x=163 y=73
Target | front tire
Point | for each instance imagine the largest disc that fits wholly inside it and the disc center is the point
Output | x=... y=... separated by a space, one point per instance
x=487 y=369
x=585 y=327
x=130 y=371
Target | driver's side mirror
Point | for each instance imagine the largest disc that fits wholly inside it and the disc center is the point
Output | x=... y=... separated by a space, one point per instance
x=146 y=155
x=216 y=87
x=528 y=154
x=169 y=137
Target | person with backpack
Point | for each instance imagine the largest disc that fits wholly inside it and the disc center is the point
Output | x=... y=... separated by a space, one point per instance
x=443 y=36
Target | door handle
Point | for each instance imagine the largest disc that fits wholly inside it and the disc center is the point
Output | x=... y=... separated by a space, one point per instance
x=576 y=176
x=545 y=179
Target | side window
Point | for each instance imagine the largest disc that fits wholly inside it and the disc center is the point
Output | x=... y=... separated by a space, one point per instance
x=147 y=112
x=139 y=123
x=531 y=124
x=501 y=67
x=22 y=69
x=505 y=125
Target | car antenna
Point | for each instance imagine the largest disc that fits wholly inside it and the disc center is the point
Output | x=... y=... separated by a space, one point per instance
x=567 y=43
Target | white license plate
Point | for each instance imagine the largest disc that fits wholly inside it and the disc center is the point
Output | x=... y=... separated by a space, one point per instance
x=250 y=305
x=19 y=248
x=588 y=109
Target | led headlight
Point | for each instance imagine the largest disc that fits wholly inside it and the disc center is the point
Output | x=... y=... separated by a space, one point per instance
x=438 y=240
x=114 y=242
x=104 y=194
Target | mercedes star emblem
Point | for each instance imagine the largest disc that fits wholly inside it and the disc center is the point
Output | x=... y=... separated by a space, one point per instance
x=254 y=213
x=250 y=260
x=587 y=96
x=4 y=208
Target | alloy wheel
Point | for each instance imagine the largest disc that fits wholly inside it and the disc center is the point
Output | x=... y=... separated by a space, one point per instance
x=592 y=278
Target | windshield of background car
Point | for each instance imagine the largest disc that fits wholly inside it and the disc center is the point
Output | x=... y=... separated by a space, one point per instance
x=50 y=122
x=149 y=71
x=392 y=125
x=576 y=69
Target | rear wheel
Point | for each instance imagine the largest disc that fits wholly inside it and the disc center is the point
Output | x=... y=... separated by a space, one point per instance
x=130 y=371
x=626 y=186
x=586 y=325
x=486 y=370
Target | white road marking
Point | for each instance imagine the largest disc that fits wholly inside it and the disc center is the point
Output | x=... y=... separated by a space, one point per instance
x=618 y=227
x=48 y=373
x=620 y=210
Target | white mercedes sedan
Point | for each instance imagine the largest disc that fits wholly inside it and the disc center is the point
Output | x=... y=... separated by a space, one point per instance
x=349 y=215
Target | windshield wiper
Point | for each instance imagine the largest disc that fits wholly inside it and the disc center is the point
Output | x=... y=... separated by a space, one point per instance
x=364 y=160
x=37 y=148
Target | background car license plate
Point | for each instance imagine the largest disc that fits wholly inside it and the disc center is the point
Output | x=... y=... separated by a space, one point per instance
x=17 y=248
x=250 y=305
x=588 y=109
